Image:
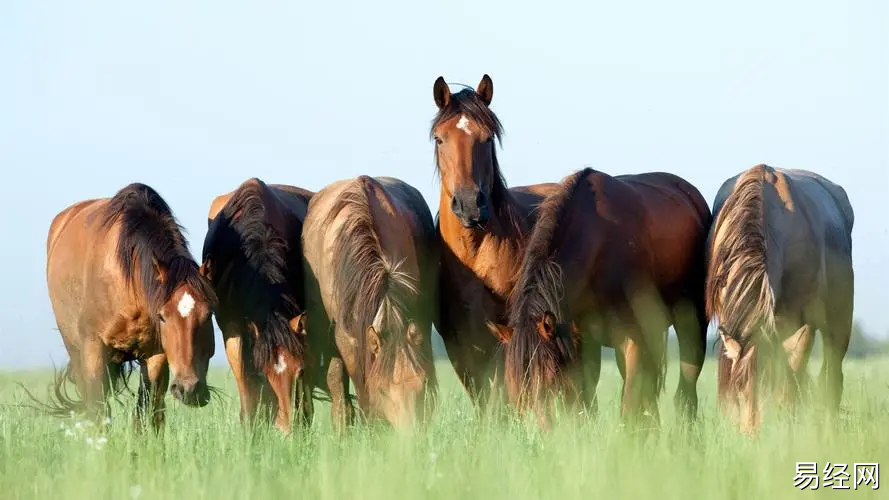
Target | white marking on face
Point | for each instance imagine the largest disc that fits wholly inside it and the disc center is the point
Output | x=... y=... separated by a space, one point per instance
x=463 y=124
x=186 y=304
x=281 y=365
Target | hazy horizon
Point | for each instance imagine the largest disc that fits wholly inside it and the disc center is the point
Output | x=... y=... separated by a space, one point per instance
x=194 y=98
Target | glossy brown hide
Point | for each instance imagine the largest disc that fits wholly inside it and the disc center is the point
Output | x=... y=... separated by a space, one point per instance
x=124 y=287
x=612 y=261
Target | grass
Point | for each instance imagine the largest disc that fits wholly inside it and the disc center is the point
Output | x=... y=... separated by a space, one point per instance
x=206 y=454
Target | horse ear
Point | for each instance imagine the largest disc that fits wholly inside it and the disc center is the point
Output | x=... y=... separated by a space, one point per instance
x=502 y=332
x=373 y=340
x=253 y=328
x=546 y=327
x=298 y=323
x=441 y=93
x=205 y=269
x=485 y=89
x=159 y=269
x=732 y=347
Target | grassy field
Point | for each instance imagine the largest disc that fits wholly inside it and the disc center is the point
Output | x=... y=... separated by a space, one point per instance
x=206 y=454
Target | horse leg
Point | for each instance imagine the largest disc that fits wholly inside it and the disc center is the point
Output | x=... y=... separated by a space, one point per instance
x=94 y=376
x=639 y=399
x=155 y=378
x=690 y=324
x=797 y=347
x=835 y=338
x=338 y=385
x=591 y=357
x=248 y=385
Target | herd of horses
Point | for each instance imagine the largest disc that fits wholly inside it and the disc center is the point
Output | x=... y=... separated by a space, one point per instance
x=525 y=285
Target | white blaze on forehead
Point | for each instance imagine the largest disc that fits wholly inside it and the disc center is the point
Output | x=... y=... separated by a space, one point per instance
x=186 y=304
x=281 y=365
x=463 y=124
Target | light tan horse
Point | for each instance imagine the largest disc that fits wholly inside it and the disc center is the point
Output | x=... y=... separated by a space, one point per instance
x=369 y=244
x=780 y=267
x=253 y=257
x=124 y=287
x=482 y=226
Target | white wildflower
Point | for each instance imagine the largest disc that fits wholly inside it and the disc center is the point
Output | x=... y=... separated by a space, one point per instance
x=135 y=491
x=69 y=433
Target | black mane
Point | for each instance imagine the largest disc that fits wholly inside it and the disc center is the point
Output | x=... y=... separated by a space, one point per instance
x=149 y=235
x=251 y=267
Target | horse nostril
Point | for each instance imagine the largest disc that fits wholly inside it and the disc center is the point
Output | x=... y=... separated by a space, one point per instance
x=454 y=205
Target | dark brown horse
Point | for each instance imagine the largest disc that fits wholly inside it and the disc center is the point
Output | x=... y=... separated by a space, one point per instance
x=253 y=257
x=370 y=250
x=124 y=288
x=612 y=261
x=780 y=267
x=482 y=226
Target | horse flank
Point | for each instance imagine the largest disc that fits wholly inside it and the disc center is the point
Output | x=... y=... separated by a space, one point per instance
x=737 y=263
x=244 y=239
x=370 y=288
x=149 y=234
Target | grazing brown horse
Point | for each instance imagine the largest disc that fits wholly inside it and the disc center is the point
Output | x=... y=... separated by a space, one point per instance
x=124 y=287
x=253 y=257
x=370 y=292
x=612 y=261
x=482 y=226
x=780 y=267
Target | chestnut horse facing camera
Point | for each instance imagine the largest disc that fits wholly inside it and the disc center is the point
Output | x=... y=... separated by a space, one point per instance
x=253 y=257
x=612 y=261
x=482 y=226
x=780 y=267
x=370 y=250
x=124 y=287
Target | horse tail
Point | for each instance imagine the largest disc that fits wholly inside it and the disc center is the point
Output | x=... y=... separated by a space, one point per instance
x=60 y=402
x=739 y=293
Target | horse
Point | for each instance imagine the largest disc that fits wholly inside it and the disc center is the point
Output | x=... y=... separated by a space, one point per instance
x=612 y=261
x=482 y=226
x=370 y=253
x=125 y=289
x=780 y=267
x=252 y=256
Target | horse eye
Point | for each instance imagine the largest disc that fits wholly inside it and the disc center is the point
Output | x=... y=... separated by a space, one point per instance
x=438 y=140
x=160 y=317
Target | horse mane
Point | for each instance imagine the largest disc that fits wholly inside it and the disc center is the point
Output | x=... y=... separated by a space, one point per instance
x=250 y=258
x=369 y=287
x=737 y=262
x=467 y=102
x=539 y=288
x=149 y=234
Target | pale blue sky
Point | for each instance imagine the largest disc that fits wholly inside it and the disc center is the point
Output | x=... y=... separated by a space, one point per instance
x=194 y=97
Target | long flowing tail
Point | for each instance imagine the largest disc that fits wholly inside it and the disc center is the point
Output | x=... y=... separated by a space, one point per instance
x=60 y=403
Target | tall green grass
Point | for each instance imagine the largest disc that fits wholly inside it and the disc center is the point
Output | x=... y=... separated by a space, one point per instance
x=205 y=453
